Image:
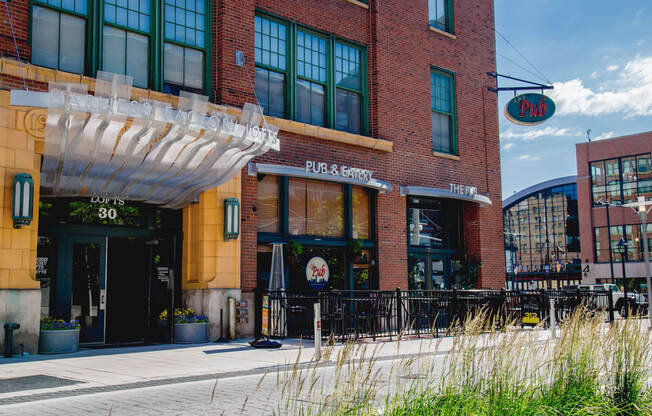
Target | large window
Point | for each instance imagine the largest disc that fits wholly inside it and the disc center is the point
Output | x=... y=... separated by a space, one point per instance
x=59 y=41
x=543 y=229
x=305 y=208
x=271 y=65
x=124 y=38
x=440 y=14
x=184 y=48
x=621 y=180
x=268 y=208
x=348 y=78
x=316 y=208
x=325 y=85
x=442 y=102
x=632 y=234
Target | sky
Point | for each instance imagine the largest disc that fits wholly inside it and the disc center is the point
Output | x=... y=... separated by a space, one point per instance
x=598 y=56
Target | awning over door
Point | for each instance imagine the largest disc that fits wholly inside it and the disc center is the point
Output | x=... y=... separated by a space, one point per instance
x=444 y=193
x=107 y=145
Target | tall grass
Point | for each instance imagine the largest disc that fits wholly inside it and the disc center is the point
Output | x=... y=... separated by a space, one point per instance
x=592 y=368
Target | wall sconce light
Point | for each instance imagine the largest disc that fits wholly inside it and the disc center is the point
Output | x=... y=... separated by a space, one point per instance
x=22 y=208
x=231 y=219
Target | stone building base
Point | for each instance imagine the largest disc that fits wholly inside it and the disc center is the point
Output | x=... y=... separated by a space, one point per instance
x=21 y=306
x=209 y=302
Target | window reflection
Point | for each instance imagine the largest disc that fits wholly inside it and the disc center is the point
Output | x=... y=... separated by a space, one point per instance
x=267 y=203
x=315 y=208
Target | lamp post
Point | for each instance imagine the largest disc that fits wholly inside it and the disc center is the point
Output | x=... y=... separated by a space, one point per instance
x=642 y=209
x=622 y=245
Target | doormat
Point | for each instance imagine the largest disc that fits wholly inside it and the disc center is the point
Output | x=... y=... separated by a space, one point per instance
x=39 y=381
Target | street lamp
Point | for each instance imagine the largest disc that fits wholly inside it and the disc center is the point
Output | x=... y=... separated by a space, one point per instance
x=641 y=207
x=622 y=245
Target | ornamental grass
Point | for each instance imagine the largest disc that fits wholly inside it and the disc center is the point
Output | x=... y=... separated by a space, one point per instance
x=590 y=368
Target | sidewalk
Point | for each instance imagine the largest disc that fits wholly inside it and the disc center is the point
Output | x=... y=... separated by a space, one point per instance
x=38 y=377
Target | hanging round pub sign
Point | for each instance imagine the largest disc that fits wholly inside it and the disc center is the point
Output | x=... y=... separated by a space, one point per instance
x=529 y=109
x=317 y=273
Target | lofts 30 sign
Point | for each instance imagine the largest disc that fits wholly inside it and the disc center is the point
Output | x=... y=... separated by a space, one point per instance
x=529 y=109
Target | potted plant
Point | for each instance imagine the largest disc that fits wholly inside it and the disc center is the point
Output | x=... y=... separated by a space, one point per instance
x=355 y=249
x=190 y=328
x=58 y=336
x=295 y=249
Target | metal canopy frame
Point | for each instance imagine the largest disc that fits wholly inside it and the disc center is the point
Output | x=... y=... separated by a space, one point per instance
x=532 y=85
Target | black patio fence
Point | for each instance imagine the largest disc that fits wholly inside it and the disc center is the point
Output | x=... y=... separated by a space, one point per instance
x=375 y=314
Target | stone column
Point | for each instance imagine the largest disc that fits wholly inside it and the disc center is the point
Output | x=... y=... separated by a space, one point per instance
x=21 y=144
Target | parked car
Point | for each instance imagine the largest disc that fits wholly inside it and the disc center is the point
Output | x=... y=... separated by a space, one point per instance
x=637 y=301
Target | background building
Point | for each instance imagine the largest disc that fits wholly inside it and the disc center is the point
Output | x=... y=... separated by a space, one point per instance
x=611 y=173
x=387 y=169
x=542 y=241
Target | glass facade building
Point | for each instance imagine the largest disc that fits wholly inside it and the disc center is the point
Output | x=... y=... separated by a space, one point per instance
x=542 y=232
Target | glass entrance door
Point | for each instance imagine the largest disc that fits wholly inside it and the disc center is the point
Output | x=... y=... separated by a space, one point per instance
x=81 y=292
x=428 y=271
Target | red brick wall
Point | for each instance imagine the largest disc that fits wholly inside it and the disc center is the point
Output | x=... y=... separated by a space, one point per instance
x=590 y=217
x=401 y=51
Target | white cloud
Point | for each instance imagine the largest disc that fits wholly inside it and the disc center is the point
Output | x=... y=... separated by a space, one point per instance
x=606 y=135
x=529 y=157
x=612 y=68
x=631 y=93
x=640 y=42
x=508 y=146
x=528 y=134
x=594 y=75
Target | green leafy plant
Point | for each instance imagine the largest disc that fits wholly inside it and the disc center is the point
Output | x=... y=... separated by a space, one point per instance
x=51 y=324
x=355 y=247
x=294 y=250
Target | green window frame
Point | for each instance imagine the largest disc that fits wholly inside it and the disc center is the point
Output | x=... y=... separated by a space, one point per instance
x=69 y=10
x=314 y=70
x=444 y=113
x=185 y=37
x=131 y=20
x=142 y=24
x=440 y=15
x=271 y=57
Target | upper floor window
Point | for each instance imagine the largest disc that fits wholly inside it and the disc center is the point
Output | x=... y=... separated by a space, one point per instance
x=184 y=48
x=442 y=102
x=440 y=14
x=271 y=65
x=59 y=41
x=621 y=180
x=324 y=86
x=125 y=42
x=124 y=38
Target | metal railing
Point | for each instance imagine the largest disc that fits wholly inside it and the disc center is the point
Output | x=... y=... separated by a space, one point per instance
x=389 y=314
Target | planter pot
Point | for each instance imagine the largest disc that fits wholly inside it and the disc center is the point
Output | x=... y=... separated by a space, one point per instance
x=58 y=341
x=195 y=333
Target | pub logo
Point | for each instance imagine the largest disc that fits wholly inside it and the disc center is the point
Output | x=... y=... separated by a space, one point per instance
x=529 y=109
x=317 y=273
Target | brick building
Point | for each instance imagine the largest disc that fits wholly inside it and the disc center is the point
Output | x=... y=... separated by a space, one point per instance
x=386 y=166
x=611 y=173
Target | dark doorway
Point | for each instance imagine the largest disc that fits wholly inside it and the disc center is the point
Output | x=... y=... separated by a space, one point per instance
x=127 y=279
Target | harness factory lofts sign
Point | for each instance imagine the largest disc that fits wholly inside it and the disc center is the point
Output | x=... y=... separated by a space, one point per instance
x=107 y=145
